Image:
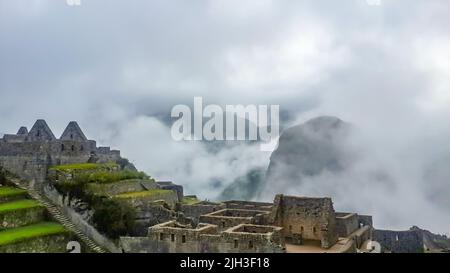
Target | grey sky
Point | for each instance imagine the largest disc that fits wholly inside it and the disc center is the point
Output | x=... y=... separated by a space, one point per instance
x=116 y=65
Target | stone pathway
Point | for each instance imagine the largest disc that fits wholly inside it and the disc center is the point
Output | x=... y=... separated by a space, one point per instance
x=61 y=218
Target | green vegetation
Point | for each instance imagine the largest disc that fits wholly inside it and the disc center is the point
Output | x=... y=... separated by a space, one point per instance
x=76 y=187
x=138 y=194
x=113 y=218
x=109 y=189
x=189 y=201
x=17 y=205
x=104 y=177
x=69 y=168
x=11 y=192
x=15 y=235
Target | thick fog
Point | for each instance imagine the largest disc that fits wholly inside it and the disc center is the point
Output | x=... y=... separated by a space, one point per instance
x=118 y=68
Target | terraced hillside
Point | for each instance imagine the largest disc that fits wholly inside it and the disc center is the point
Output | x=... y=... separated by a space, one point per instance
x=122 y=202
x=25 y=225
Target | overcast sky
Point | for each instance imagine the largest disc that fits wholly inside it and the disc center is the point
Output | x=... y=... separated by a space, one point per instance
x=118 y=67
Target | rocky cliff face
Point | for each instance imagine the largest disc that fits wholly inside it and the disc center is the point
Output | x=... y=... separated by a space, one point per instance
x=307 y=150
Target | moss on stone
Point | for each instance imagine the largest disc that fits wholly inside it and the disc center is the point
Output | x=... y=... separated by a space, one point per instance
x=14 y=235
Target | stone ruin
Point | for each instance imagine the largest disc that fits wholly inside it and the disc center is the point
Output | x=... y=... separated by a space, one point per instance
x=28 y=154
x=289 y=224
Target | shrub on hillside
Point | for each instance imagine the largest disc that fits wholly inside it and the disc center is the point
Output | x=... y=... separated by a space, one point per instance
x=113 y=218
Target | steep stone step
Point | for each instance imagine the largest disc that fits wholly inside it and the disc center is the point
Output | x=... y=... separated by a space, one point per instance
x=61 y=218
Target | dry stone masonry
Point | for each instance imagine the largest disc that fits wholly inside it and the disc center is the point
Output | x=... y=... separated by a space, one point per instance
x=30 y=154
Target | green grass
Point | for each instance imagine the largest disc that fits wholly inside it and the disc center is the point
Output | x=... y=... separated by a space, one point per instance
x=104 y=188
x=108 y=177
x=17 y=205
x=84 y=167
x=189 y=201
x=14 y=235
x=104 y=177
x=11 y=192
x=138 y=194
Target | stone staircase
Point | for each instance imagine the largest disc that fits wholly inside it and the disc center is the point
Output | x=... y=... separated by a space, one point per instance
x=60 y=217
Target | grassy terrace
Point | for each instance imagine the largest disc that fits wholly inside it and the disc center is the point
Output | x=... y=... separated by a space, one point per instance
x=189 y=201
x=84 y=167
x=103 y=188
x=17 y=205
x=104 y=177
x=15 y=235
x=138 y=194
x=98 y=173
x=10 y=192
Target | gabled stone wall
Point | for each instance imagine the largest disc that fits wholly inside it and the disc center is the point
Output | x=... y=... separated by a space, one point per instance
x=307 y=218
x=30 y=154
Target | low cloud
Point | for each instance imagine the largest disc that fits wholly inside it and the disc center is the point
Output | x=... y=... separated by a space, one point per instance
x=118 y=67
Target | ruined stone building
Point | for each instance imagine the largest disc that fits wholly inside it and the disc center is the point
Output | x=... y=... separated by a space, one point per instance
x=30 y=153
x=290 y=224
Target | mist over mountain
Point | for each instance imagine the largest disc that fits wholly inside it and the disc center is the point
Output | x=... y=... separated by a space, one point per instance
x=378 y=68
x=245 y=187
x=304 y=150
x=308 y=150
x=326 y=156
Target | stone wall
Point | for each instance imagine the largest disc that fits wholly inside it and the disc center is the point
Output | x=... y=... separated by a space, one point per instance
x=174 y=238
x=30 y=155
x=124 y=186
x=167 y=185
x=253 y=238
x=365 y=220
x=248 y=205
x=140 y=202
x=44 y=244
x=171 y=238
x=30 y=160
x=22 y=217
x=150 y=214
x=346 y=223
x=196 y=210
x=309 y=218
x=228 y=218
x=410 y=241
